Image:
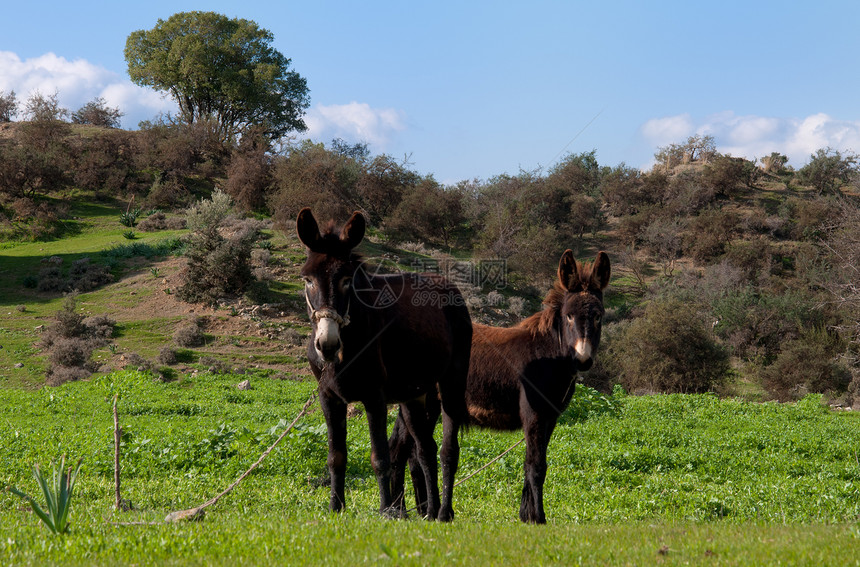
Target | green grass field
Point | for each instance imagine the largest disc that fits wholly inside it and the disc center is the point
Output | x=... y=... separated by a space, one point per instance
x=676 y=479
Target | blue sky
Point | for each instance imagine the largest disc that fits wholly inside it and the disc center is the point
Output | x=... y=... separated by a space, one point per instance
x=476 y=89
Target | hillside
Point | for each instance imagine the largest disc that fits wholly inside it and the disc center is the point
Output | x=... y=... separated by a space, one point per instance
x=728 y=275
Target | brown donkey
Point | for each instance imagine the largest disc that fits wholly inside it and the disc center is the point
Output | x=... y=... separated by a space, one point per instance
x=380 y=340
x=523 y=376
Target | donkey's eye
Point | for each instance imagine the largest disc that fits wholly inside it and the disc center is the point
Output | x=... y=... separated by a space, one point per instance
x=570 y=317
x=344 y=283
x=308 y=281
x=597 y=319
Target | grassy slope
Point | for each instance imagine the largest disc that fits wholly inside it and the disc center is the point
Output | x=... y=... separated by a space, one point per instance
x=138 y=299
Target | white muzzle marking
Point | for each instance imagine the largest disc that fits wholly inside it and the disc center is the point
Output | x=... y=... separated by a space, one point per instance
x=583 y=350
x=327 y=337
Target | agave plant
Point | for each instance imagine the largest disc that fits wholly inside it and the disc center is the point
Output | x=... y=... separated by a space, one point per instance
x=58 y=496
x=129 y=217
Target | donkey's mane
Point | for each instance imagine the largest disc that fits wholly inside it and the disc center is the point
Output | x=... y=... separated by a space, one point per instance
x=543 y=321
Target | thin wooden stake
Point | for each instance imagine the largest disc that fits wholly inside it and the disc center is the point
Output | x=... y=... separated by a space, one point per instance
x=117 y=435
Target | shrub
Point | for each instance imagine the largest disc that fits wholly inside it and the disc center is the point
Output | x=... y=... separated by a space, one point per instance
x=58 y=375
x=152 y=223
x=102 y=163
x=752 y=257
x=166 y=356
x=625 y=190
x=8 y=106
x=168 y=192
x=71 y=340
x=84 y=276
x=158 y=221
x=536 y=251
x=218 y=265
x=756 y=325
x=774 y=163
x=189 y=334
x=100 y=328
x=828 y=170
x=804 y=366
x=669 y=349
x=50 y=279
x=97 y=113
x=249 y=173
x=687 y=194
x=726 y=174
x=631 y=228
x=662 y=237
x=428 y=212
x=311 y=176
x=709 y=233
x=381 y=185
x=69 y=324
x=809 y=216
x=70 y=352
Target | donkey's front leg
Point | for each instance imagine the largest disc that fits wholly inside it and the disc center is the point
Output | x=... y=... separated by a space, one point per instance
x=377 y=418
x=537 y=435
x=334 y=410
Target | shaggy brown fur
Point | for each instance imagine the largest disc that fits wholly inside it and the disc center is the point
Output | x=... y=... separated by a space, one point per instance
x=522 y=376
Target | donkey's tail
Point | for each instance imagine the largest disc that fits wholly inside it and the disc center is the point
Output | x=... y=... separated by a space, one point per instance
x=452 y=385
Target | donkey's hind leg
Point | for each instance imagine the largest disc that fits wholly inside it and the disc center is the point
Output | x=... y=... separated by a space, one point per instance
x=450 y=458
x=415 y=418
x=377 y=417
x=402 y=449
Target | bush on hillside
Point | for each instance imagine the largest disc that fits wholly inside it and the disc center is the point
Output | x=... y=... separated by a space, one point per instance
x=728 y=175
x=669 y=349
x=71 y=340
x=249 y=174
x=218 y=255
x=804 y=366
x=190 y=333
x=709 y=233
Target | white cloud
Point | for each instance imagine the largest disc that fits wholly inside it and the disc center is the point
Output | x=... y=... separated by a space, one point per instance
x=354 y=122
x=78 y=82
x=752 y=136
x=668 y=130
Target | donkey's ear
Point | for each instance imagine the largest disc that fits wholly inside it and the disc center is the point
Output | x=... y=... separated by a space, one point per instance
x=308 y=229
x=353 y=230
x=567 y=270
x=601 y=271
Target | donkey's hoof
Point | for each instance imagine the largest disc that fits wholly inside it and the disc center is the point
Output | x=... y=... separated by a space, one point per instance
x=445 y=515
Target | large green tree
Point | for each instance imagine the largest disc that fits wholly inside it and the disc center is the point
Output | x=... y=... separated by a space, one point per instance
x=221 y=70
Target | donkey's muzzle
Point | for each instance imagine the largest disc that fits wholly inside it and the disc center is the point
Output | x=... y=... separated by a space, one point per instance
x=327 y=340
x=329 y=353
x=583 y=353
